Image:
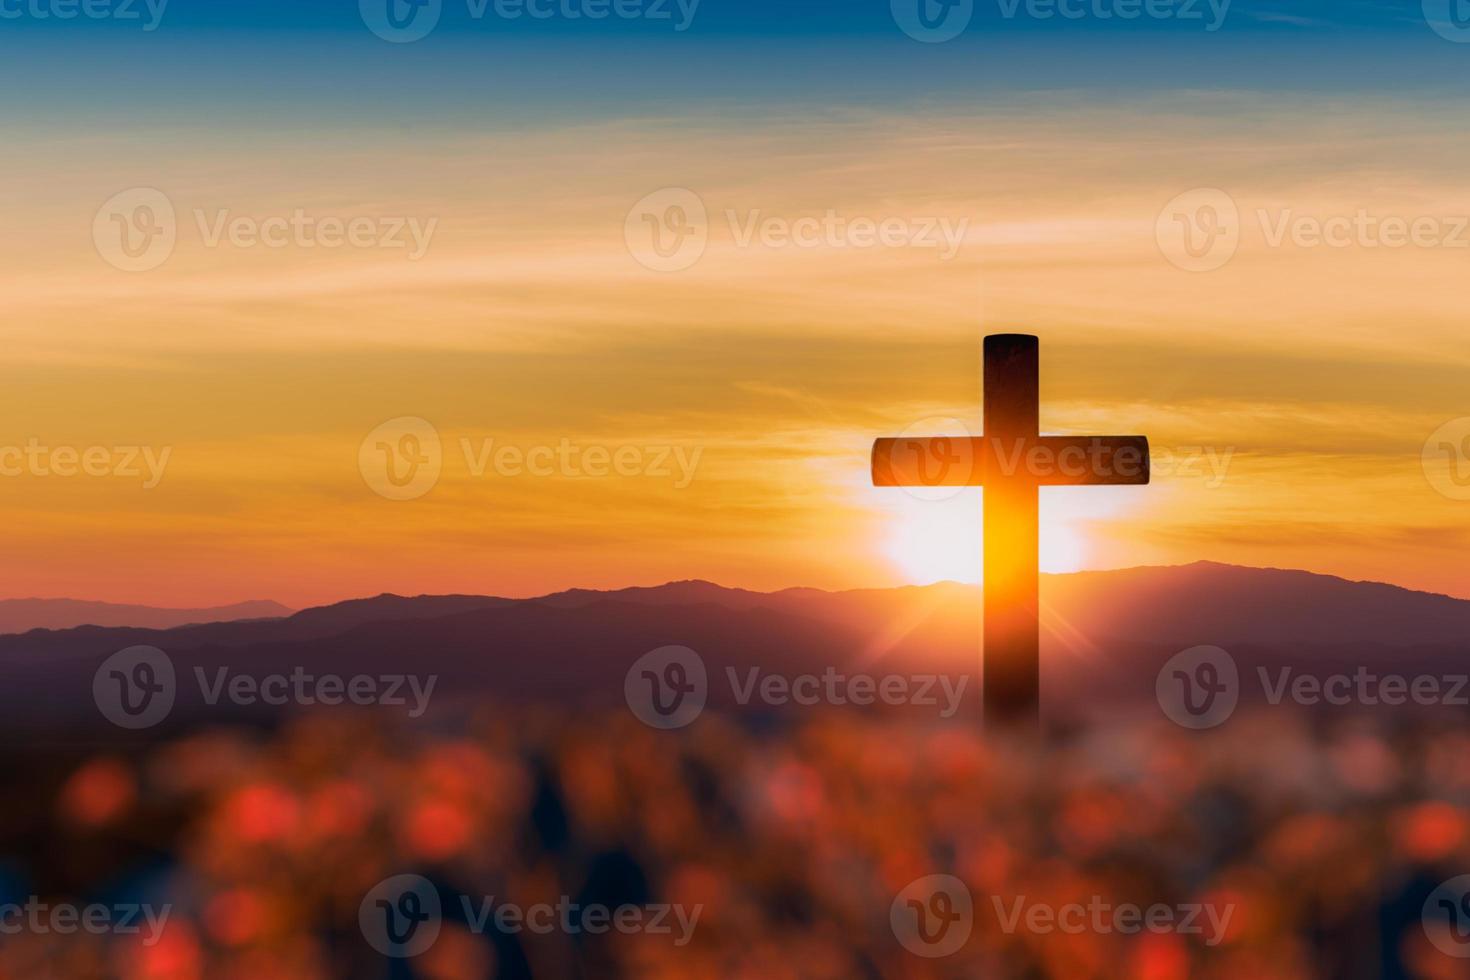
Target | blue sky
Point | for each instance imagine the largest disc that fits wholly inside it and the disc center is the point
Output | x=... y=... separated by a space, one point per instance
x=279 y=60
x=749 y=18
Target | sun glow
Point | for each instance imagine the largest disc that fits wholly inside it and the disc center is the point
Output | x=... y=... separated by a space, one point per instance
x=934 y=540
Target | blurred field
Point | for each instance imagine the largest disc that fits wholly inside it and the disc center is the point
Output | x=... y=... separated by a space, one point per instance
x=1325 y=837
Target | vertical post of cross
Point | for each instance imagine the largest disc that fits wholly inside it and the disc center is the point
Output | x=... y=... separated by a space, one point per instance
x=1011 y=461
x=1012 y=421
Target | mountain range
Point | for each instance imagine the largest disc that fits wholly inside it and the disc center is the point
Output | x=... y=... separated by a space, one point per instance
x=23 y=615
x=1105 y=636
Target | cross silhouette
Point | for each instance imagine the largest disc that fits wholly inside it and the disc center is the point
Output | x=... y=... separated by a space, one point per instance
x=1011 y=461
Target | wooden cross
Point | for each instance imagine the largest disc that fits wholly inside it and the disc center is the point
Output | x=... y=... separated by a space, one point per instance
x=1011 y=461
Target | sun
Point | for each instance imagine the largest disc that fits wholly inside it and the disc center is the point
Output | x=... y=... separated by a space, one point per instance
x=934 y=540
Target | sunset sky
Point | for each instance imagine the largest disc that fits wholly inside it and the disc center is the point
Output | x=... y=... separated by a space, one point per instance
x=1288 y=394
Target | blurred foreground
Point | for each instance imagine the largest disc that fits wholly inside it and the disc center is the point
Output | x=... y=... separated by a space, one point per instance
x=1322 y=839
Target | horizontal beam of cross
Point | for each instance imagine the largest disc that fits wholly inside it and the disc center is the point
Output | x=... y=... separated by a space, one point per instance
x=1043 y=461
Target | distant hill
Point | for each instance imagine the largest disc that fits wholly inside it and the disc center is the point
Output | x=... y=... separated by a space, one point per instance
x=20 y=615
x=1168 y=603
x=1105 y=636
x=1208 y=602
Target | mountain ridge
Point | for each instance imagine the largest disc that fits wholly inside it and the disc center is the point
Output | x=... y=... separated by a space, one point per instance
x=349 y=612
x=21 y=615
x=1104 y=637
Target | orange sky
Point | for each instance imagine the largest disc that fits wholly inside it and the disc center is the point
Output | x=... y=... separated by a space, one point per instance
x=1288 y=394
